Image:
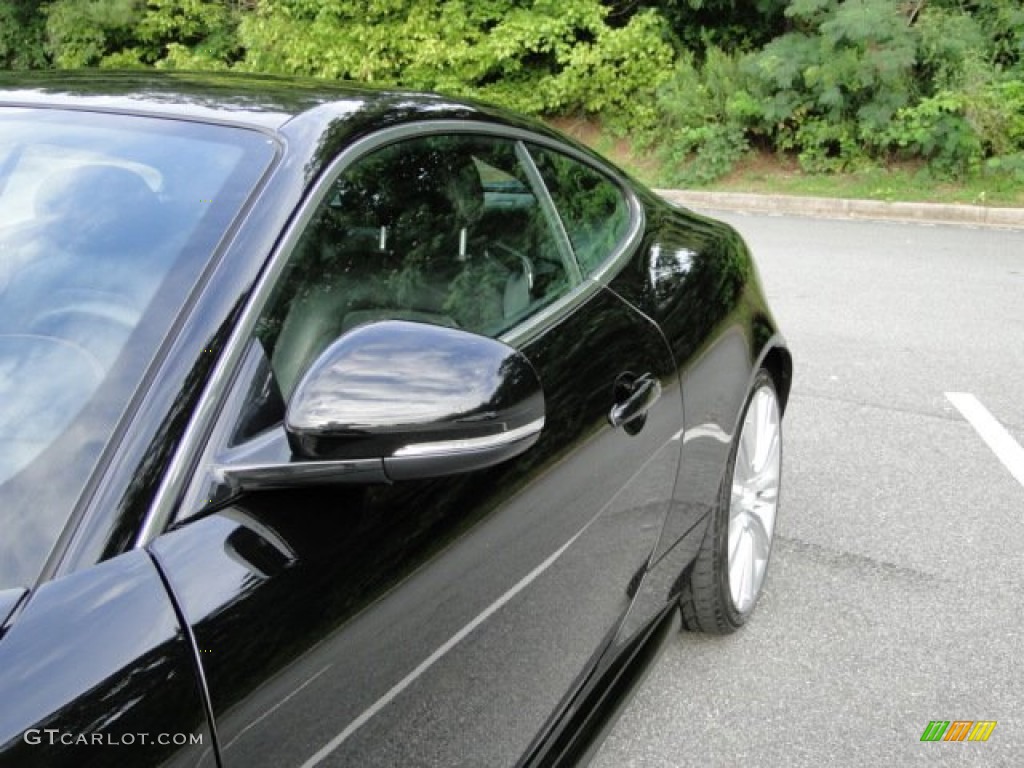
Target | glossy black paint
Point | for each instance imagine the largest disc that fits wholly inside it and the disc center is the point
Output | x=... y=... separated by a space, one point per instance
x=492 y=617
x=100 y=652
x=371 y=581
x=392 y=386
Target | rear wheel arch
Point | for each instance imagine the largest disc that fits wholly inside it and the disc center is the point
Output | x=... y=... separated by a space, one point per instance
x=707 y=600
x=779 y=363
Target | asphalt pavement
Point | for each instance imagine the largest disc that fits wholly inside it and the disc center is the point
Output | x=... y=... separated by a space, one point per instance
x=894 y=594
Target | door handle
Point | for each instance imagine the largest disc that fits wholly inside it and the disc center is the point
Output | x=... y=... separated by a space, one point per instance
x=640 y=395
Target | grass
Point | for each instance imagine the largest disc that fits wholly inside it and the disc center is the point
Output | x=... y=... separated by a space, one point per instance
x=766 y=173
x=910 y=182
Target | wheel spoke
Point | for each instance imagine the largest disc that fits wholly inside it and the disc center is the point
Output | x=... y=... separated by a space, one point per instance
x=760 y=538
x=736 y=528
x=741 y=470
x=737 y=504
x=764 y=515
x=770 y=453
x=740 y=572
x=760 y=432
x=758 y=568
x=765 y=484
x=767 y=429
x=767 y=478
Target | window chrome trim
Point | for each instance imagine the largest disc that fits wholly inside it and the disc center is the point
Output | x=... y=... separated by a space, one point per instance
x=534 y=325
x=611 y=264
x=554 y=219
x=628 y=245
x=193 y=450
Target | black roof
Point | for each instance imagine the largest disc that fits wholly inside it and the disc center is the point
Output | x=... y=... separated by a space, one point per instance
x=259 y=100
x=316 y=117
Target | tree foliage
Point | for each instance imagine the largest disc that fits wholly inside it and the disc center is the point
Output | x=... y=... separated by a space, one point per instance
x=854 y=82
x=724 y=24
x=541 y=57
x=200 y=34
x=837 y=82
x=22 y=29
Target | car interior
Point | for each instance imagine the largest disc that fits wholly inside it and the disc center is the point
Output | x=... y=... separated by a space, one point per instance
x=417 y=231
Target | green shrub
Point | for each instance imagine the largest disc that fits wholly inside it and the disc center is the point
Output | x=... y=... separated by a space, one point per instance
x=704 y=115
x=190 y=34
x=547 y=56
x=842 y=74
x=79 y=33
x=837 y=82
x=949 y=42
x=616 y=75
x=22 y=35
x=1002 y=23
x=937 y=129
x=1007 y=165
x=731 y=25
x=129 y=33
x=957 y=131
x=827 y=146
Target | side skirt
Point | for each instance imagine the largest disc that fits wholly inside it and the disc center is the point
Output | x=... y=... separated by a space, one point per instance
x=574 y=734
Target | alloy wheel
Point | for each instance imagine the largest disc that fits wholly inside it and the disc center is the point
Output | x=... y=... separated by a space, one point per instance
x=754 y=499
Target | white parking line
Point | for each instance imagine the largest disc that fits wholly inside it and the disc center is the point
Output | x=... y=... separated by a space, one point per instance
x=1006 y=449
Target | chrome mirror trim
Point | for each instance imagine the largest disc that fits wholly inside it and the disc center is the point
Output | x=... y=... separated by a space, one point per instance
x=471 y=444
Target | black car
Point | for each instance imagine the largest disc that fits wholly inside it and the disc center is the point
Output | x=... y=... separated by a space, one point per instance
x=351 y=426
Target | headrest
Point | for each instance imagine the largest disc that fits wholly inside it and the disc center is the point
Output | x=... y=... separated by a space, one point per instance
x=464 y=189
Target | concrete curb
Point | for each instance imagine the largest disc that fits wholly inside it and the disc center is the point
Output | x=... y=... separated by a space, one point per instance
x=823 y=207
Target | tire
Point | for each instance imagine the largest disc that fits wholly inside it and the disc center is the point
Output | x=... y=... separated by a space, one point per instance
x=722 y=591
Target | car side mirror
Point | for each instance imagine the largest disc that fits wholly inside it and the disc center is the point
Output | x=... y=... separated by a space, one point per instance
x=425 y=399
x=398 y=400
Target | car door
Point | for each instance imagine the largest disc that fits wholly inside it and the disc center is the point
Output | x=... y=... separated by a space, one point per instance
x=442 y=620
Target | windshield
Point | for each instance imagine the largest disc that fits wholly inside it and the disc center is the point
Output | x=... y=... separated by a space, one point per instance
x=105 y=224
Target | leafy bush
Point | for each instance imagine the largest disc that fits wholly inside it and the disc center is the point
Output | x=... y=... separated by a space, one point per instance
x=22 y=36
x=827 y=146
x=958 y=130
x=837 y=82
x=705 y=113
x=948 y=44
x=732 y=25
x=79 y=33
x=973 y=114
x=130 y=34
x=938 y=130
x=843 y=72
x=1002 y=23
x=190 y=34
x=617 y=75
x=546 y=56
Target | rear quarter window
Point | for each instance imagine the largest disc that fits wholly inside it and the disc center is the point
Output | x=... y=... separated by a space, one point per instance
x=593 y=208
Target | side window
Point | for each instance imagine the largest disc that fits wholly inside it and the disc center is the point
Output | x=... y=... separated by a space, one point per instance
x=438 y=229
x=593 y=208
